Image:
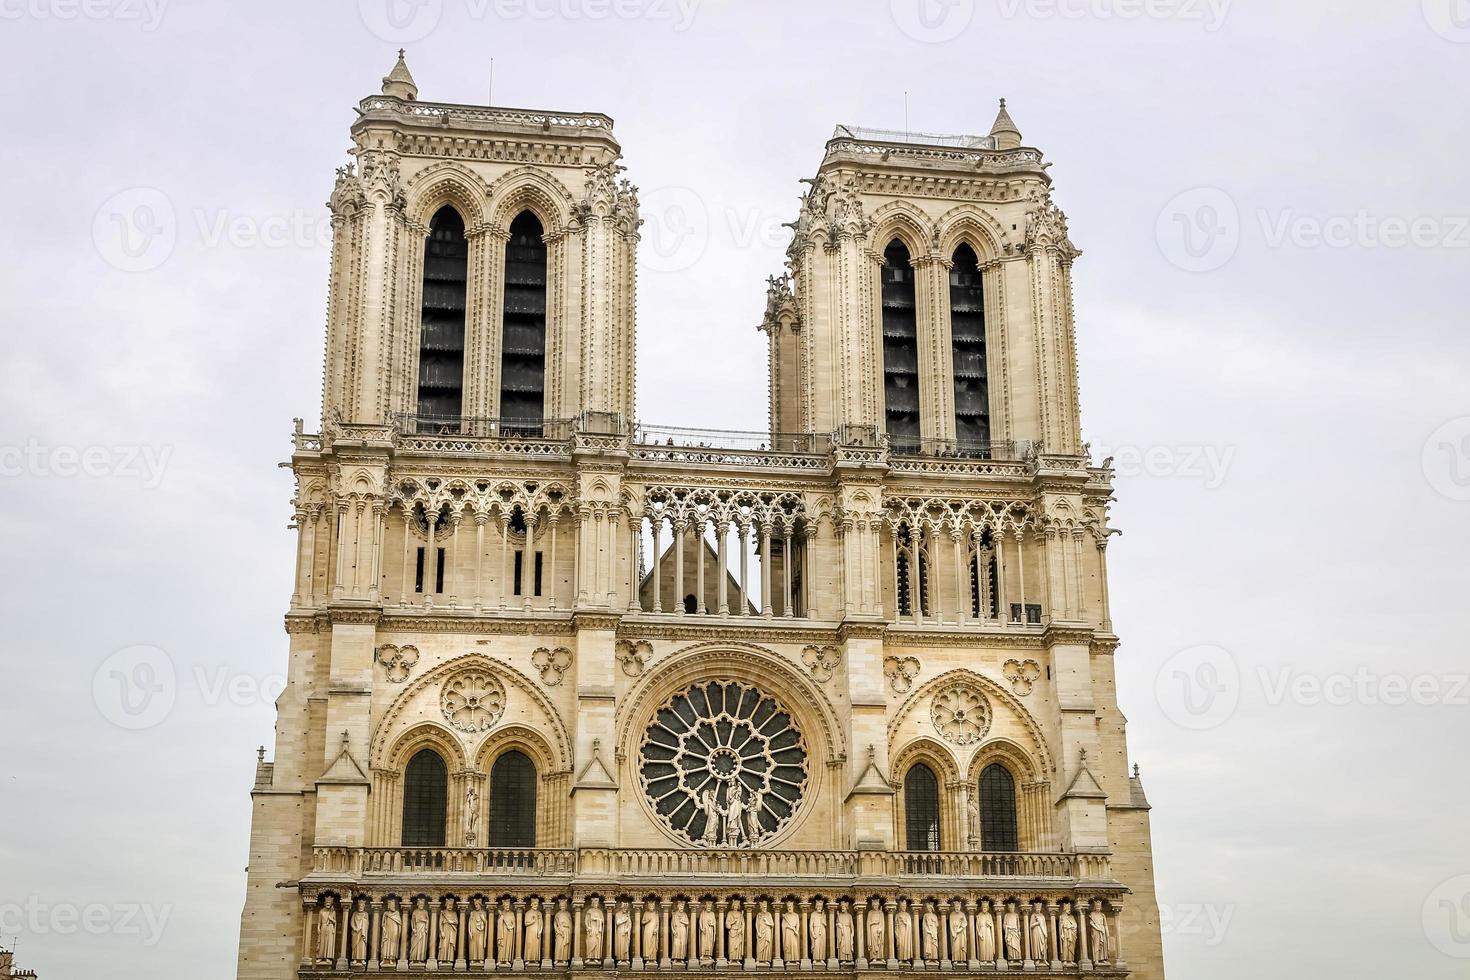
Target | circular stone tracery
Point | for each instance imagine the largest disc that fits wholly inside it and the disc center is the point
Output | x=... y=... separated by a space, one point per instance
x=723 y=765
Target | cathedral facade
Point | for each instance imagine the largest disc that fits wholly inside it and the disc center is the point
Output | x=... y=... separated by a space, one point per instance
x=567 y=692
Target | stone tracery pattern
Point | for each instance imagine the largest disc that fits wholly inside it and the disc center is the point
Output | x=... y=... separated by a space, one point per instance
x=723 y=765
x=472 y=701
x=1022 y=674
x=397 y=661
x=552 y=664
x=961 y=714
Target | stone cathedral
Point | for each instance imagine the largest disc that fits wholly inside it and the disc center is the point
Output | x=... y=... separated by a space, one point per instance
x=573 y=693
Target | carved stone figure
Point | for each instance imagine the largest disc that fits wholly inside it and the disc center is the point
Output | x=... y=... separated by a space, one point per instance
x=1040 y=948
x=875 y=948
x=816 y=929
x=1010 y=925
x=561 y=927
x=649 y=943
x=418 y=933
x=531 y=948
x=623 y=933
x=735 y=932
x=765 y=933
x=707 y=930
x=476 y=930
x=360 y=931
x=390 y=935
x=790 y=933
x=846 y=932
x=1067 y=935
x=903 y=932
x=985 y=935
x=753 y=831
x=931 y=932
x=959 y=933
x=326 y=929
x=471 y=816
x=505 y=932
x=1097 y=932
x=679 y=932
x=594 y=923
x=711 y=810
x=734 y=814
x=448 y=931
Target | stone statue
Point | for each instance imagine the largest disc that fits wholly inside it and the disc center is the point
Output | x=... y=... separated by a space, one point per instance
x=931 y=932
x=594 y=923
x=790 y=933
x=959 y=932
x=475 y=934
x=765 y=930
x=707 y=930
x=649 y=944
x=562 y=932
x=1010 y=925
x=448 y=931
x=874 y=948
x=531 y=948
x=390 y=936
x=985 y=935
x=711 y=810
x=734 y=814
x=360 y=931
x=1067 y=935
x=679 y=932
x=1040 y=948
x=735 y=932
x=505 y=932
x=623 y=933
x=816 y=928
x=1097 y=932
x=471 y=816
x=845 y=932
x=753 y=831
x=326 y=929
x=903 y=932
x=418 y=933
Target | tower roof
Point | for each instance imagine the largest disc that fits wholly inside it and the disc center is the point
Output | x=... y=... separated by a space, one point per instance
x=399 y=82
x=1004 y=131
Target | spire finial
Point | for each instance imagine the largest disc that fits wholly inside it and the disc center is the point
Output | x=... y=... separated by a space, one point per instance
x=1004 y=131
x=1135 y=770
x=260 y=754
x=399 y=82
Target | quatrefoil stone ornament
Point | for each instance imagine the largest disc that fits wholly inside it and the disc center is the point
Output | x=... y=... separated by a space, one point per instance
x=397 y=661
x=1022 y=674
x=901 y=672
x=821 y=661
x=961 y=714
x=472 y=701
x=552 y=664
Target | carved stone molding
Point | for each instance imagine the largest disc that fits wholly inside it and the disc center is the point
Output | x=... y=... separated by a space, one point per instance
x=961 y=714
x=552 y=664
x=1022 y=674
x=901 y=672
x=397 y=661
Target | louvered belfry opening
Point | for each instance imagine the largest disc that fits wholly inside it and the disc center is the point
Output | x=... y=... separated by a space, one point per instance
x=523 y=342
x=900 y=350
x=425 y=800
x=513 y=801
x=967 y=336
x=441 y=340
x=998 y=809
x=921 y=808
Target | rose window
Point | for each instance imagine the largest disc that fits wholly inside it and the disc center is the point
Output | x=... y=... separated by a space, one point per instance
x=723 y=765
x=961 y=714
x=472 y=701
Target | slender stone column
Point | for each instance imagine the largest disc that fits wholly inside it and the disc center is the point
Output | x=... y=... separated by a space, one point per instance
x=722 y=528
x=504 y=559
x=1102 y=583
x=528 y=561
x=635 y=551
x=766 y=570
x=679 y=528
x=341 y=510
x=453 y=576
x=431 y=563
x=786 y=603
x=1021 y=570
x=357 y=536
x=741 y=530
x=549 y=572
x=701 y=604
x=658 y=527
x=480 y=520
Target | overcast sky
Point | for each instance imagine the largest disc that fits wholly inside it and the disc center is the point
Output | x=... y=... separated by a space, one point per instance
x=1271 y=197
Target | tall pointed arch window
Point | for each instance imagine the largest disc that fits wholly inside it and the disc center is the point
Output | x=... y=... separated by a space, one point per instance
x=900 y=350
x=513 y=801
x=425 y=800
x=921 y=808
x=967 y=338
x=441 y=336
x=998 y=809
x=523 y=336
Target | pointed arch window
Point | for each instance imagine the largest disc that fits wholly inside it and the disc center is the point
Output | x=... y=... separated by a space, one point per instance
x=967 y=339
x=900 y=350
x=998 y=809
x=921 y=808
x=441 y=335
x=912 y=591
x=425 y=800
x=513 y=801
x=523 y=334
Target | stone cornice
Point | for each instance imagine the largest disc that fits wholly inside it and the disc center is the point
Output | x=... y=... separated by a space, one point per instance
x=354 y=615
x=468 y=622
x=748 y=628
x=1074 y=633
x=908 y=635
